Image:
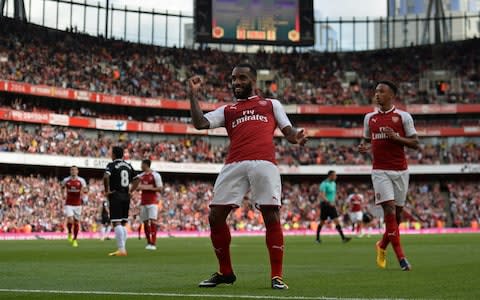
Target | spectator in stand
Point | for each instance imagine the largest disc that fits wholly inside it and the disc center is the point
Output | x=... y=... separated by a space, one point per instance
x=39 y=55
x=34 y=204
x=46 y=139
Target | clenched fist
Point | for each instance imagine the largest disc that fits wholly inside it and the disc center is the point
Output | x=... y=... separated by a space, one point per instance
x=195 y=83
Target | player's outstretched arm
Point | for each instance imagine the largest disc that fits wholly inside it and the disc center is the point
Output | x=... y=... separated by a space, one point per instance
x=295 y=135
x=198 y=119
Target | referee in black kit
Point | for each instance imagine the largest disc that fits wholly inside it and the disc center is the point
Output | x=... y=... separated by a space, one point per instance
x=118 y=176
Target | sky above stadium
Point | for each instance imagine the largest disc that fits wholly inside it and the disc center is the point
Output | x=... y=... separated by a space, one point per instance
x=326 y=8
x=173 y=32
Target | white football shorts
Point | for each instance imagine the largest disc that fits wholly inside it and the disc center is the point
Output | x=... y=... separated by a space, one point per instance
x=390 y=185
x=261 y=177
x=148 y=212
x=356 y=217
x=74 y=211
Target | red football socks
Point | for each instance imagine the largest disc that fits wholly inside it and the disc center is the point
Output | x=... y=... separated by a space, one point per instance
x=69 y=228
x=384 y=241
x=393 y=235
x=76 y=228
x=220 y=236
x=146 y=228
x=153 y=233
x=274 y=240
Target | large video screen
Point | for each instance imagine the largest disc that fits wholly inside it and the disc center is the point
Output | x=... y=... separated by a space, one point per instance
x=274 y=22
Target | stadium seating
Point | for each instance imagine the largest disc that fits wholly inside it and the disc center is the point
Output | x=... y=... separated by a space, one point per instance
x=40 y=56
x=47 y=139
x=35 y=203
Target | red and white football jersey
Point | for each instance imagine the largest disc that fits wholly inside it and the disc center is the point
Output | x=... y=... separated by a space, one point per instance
x=250 y=125
x=387 y=154
x=74 y=188
x=154 y=179
x=355 y=201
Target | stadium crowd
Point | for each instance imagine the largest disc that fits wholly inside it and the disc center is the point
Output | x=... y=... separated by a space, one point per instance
x=77 y=109
x=35 y=204
x=57 y=140
x=38 y=55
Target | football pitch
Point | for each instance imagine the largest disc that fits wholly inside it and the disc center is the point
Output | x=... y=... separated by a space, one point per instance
x=444 y=267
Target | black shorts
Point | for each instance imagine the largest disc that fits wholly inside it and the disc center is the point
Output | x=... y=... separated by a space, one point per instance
x=105 y=220
x=327 y=211
x=367 y=217
x=119 y=206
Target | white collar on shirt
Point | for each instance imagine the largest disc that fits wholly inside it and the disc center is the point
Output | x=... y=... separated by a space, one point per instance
x=249 y=98
x=386 y=112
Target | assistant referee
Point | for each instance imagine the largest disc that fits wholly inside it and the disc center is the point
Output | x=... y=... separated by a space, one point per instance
x=327 y=194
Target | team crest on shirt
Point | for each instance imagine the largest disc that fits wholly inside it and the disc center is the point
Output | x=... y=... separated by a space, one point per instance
x=395 y=119
x=262 y=102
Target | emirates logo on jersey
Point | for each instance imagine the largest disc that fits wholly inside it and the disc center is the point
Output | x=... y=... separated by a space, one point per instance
x=395 y=119
x=382 y=135
x=249 y=115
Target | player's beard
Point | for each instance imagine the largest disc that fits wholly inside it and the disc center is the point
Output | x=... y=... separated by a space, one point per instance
x=244 y=93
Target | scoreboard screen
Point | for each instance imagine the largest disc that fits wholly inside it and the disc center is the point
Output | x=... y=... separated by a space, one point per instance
x=271 y=22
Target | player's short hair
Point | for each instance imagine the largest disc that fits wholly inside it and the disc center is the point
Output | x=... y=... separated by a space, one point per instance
x=74 y=166
x=249 y=66
x=390 y=84
x=117 y=152
x=330 y=172
x=147 y=162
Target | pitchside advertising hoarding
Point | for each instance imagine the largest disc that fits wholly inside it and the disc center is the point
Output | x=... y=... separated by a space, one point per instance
x=268 y=22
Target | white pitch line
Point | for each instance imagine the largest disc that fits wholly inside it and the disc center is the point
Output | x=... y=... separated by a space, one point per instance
x=181 y=295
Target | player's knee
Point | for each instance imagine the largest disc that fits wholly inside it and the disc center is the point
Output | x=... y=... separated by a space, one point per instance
x=214 y=216
x=271 y=214
x=399 y=212
x=389 y=207
x=218 y=215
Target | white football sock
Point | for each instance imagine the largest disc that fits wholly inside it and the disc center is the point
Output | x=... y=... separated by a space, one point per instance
x=124 y=237
x=119 y=237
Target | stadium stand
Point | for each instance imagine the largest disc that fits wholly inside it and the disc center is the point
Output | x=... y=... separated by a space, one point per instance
x=34 y=204
x=38 y=55
x=74 y=122
x=45 y=139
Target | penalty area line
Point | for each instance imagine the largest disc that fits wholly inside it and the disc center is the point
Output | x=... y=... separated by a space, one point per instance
x=181 y=295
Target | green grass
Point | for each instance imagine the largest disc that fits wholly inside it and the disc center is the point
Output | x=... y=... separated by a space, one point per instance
x=444 y=267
